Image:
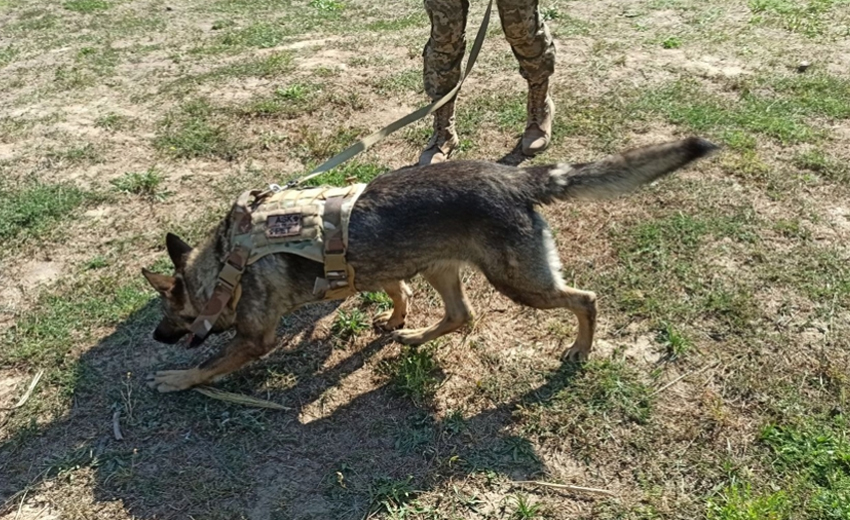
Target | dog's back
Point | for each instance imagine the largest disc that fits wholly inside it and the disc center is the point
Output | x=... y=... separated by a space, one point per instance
x=482 y=213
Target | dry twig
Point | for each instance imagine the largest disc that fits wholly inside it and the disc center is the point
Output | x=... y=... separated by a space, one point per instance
x=568 y=487
x=29 y=391
x=245 y=400
x=116 y=426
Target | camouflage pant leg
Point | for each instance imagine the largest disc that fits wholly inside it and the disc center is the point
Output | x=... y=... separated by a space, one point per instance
x=529 y=38
x=443 y=54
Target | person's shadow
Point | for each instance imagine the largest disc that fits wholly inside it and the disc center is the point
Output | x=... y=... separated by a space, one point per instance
x=515 y=157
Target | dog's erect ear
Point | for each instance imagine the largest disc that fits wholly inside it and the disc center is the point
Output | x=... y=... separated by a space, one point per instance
x=160 y=282
x=177 y=250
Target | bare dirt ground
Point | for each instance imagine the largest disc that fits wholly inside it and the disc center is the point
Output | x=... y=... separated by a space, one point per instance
x=718 y=384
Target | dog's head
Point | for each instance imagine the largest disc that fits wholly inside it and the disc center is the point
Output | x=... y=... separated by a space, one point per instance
x=178 y=310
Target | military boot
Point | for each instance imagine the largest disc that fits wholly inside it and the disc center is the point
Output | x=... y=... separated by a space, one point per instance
x=444 y=140
x=541 y=111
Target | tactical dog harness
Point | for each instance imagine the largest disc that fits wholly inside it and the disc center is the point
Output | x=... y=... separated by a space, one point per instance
x=311 y=222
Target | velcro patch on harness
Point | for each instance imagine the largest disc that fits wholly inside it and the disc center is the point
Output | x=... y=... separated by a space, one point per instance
x=283 y=225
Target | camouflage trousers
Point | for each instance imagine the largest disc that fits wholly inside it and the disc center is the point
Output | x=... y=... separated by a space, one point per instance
x=526 y=33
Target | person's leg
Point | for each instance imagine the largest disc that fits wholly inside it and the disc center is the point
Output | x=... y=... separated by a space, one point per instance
x=442 y=57
x=534 y=49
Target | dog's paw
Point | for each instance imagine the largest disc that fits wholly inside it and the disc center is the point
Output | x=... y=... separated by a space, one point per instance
x=387 y=322
x=576 y=354
x=171 y=380
x=411 y=336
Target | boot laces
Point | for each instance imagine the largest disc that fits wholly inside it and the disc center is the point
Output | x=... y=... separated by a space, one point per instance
x=538 y=108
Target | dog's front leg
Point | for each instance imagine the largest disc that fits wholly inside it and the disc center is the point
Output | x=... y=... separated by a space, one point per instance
x=242 y=349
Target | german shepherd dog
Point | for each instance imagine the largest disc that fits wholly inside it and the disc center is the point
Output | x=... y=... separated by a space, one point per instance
x=428 y=220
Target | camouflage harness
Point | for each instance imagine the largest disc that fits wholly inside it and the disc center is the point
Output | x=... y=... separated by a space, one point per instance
x=311 y=222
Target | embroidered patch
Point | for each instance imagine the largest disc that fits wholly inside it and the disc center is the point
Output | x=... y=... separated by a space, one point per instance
x=279 y=226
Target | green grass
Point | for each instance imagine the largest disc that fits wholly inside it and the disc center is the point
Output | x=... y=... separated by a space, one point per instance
x=8 y=54
x=350 y=171
x=397 y=23
x=36 y=20
x=409 y=80
x=604 y=394
x=259 y=35
x=819 y=272
x=413 y=374
x=380 y=300
x=192 y=132
x=327 y=5
x=389 y=495
x=685 y=103
x=111 y=121
x=35 y=209
x=660 y=262
x=97 y=262
x=823 y=165
x=348 y=324
x=146 y=184
x=270 y=66
x=86 y=6
x=674 y=341
x=524 y=508
x=810 y=466
x=68 y=316
x=295 y=100
x=736 y=502
x=86 y=153
x=672 y=42
x=807 y=17
x=90 y=65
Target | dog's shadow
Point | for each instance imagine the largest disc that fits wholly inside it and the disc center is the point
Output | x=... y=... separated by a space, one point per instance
x=184 y=455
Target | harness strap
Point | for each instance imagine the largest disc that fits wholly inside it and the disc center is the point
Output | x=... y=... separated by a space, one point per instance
x=339 y=277
x=231 y=273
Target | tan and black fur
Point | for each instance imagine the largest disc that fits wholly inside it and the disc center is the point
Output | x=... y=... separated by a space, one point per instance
x=428 y=220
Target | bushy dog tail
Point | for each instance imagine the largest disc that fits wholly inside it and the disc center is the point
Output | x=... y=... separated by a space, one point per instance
x=614 y=175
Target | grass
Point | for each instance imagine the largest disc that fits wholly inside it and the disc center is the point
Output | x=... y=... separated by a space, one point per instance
x=86 y=6
x=34 y=209
x=396 y=23
x=389 y=495
x=192 y=132
x=605 y=394
x=810 y=465
x=348 y=324
x=286 y=103
x=717 y=387
x=380 y=300
x=825 y=166
x=86 y=153
x=260 y=35
x=146 y=184
x=676 y=343
x=413 y=374
x=349 y=172
x=111 y=121
x=809 y=18
x=269 y=66
x=8 y=54
x=525 y=509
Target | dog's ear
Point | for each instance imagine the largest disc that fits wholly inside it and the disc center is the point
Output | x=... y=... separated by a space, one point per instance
x=177 y=250
x=160 y=282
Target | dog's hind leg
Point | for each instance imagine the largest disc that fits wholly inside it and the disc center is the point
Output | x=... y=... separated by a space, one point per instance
x=528 y=272
x=392 y=319
x=445 y=278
